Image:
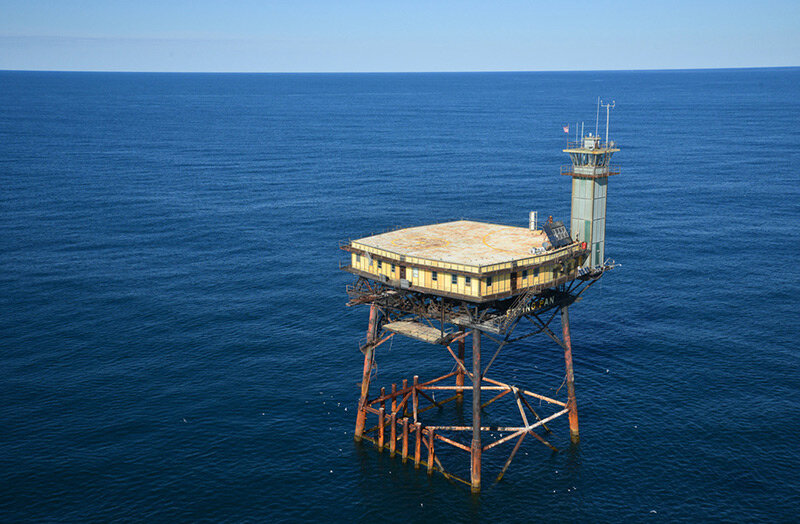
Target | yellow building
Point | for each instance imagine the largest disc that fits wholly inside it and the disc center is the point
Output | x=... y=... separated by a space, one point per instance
x=466 y=260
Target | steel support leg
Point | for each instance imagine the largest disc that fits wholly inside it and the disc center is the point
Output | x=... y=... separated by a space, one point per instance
x=572 y=405
x=475 y=450
x=372 y=335
x=460 y=374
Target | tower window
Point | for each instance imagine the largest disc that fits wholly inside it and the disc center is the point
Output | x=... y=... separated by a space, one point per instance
x=454 y=279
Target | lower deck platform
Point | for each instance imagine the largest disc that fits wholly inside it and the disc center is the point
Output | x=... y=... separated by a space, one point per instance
x=418 y=331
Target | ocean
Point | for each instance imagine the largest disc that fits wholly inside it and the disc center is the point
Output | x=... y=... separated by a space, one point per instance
x=175 y=344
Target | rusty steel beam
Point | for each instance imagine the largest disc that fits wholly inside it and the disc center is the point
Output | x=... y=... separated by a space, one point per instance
x=527 y=404
x=459 y=363
x=460 y=374
x=414 y=399
x=456 y=388
x=372 y=333
x=496 y=397
x=381 y=428
x=418 y=445
x=476 y=449
x=441 y=403
x=404 y=448
x=526 y=392
x=511 y=457
x=454 y=443
x=402 y=405
x=437 y=379
x=501 y=316
x=525 y=421
x=500 y=346
x=572 y=405
x=430 y=451
x=523 y=430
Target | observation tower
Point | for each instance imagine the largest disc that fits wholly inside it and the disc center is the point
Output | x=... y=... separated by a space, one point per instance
x=493 y=284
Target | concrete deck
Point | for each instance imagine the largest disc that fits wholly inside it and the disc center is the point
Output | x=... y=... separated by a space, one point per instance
x=460 y=242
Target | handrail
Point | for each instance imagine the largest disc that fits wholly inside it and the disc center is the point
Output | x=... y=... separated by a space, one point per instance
x=602 y=145
x=569 y=169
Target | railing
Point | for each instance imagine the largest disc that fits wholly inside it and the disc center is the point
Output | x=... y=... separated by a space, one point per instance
x=611 y=169
x=611 y=144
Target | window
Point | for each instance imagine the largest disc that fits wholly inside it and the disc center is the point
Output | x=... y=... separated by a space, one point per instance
x=415 y=272
x=488 y=281
x=392 y=268
x=454 y=280
x=524 y=273
x=380 y=264
x=358 y=258
x=434 y=276
x=467 y=281
x=536 y=272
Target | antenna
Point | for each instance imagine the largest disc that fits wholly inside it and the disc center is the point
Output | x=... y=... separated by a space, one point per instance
x=608 y=107
x=597 y=118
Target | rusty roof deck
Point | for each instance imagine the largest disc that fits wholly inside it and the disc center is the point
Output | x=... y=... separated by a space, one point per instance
x=460 y=242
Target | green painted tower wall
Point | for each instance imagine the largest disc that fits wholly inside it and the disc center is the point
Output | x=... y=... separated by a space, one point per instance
x=588 y=216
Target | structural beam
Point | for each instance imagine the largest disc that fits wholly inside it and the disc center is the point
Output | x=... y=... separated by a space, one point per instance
x=460 y=375
x=475 y=470
x=372 y=335
x=572 y=405
x=398 y=410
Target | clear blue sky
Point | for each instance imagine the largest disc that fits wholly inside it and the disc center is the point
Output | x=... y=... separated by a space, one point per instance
x=377 y=35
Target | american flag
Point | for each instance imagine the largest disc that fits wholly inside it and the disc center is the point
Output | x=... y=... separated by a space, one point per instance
x=566 y=128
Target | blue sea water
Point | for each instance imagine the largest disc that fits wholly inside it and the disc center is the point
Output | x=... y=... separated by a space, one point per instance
x=174 y=341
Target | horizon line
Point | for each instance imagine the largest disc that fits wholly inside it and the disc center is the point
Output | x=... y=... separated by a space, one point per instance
x=477 y=71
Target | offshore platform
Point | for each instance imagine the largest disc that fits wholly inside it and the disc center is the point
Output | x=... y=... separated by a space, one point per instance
x=442 y=283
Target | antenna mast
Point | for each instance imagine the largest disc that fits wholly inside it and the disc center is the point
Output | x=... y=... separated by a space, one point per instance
x=608 y=107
